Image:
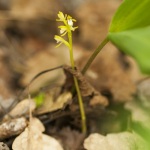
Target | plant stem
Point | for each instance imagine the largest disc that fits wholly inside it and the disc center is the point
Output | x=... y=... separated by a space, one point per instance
x=81 y=106
x=92 y=57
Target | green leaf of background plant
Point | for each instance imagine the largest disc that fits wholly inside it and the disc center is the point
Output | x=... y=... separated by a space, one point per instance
x=130 y=31
x=39 y=99
x=130 y=15
x=135 y=43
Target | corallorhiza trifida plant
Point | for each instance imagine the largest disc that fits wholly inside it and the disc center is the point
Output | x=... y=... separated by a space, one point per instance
x=66 y=29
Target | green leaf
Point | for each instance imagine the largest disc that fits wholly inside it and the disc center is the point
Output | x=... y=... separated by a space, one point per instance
x=130 y=31
x=130 y=15
x=135 y=43
x=39 y=99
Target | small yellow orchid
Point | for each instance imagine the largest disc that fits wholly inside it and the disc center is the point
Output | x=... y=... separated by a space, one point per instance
x=67 y=28
x=64 y=29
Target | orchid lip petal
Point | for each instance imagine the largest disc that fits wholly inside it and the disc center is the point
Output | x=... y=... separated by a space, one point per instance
x=70 y=22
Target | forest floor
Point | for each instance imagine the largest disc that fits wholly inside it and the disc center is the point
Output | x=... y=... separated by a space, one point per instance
x=115 y=93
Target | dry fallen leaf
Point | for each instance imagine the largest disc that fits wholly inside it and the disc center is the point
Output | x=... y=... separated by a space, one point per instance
x=52 y=103
x=116 y=141
x=22 y=108
x=33 y=138
x=85 y=87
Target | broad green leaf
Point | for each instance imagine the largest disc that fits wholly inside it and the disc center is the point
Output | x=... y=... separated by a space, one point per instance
x=130 y=15
x=130 y=31
x=135 y=43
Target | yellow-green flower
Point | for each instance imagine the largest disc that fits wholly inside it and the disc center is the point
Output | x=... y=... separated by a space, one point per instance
x=60 y=40
x=61 y=16
x=66 y=28
x=70 y=22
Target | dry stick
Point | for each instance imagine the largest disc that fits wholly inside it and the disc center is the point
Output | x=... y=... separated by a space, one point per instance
x=30 y=119
x=27 y=87
x=92 y=57
x=43 y=72
x=35 y=77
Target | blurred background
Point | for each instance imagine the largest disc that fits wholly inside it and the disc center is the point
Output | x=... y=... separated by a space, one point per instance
x=27 y=47
x=27 y=29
